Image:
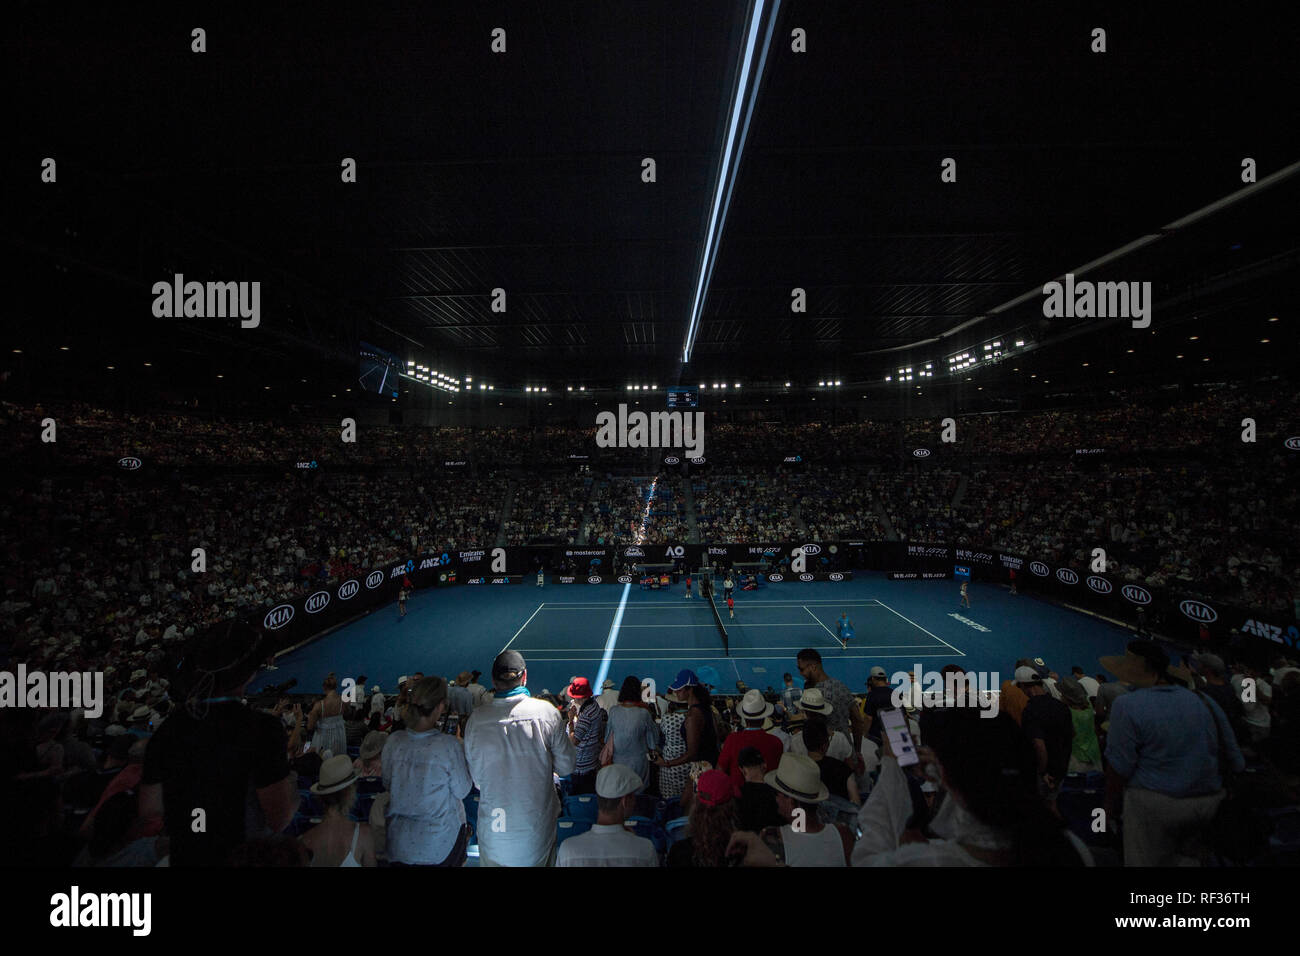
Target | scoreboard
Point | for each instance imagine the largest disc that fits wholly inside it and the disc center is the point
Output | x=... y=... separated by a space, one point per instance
x=683 y=397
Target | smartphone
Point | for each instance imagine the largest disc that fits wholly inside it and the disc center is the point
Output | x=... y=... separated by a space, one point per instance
x=900 y=738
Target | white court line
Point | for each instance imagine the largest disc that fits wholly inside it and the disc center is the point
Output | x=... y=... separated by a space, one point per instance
x=696 y=657
x=920 y=628
x=838 y=643
x=585 y=605
x=521 y=629
x=675 y=650
x=711 y=624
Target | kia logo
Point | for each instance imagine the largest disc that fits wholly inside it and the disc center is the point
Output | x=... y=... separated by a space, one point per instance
x=1198 y=611
x=348 y=590
x=625 y=579
x=1100 y=585
x=374 y=579
x=921 y=453
x=1293 y=444
x=278 y=617
x=1066 y=576
x=697 y=461
x=836 y=576
x=671 y=461
x=594 y=579
x=812 y=549
x=1136 y=594
x=1039 y=569
x=775 y=578
x=129 y=464
x=317 y=602
x=805 y=577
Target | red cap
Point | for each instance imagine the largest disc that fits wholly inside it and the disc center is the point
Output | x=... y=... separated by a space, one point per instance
x=714 y=788
x=581 y=687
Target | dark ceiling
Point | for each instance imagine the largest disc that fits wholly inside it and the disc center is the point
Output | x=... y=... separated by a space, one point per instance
x=522 y=171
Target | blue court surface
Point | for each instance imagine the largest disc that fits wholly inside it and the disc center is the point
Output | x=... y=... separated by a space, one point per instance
x=565 y=630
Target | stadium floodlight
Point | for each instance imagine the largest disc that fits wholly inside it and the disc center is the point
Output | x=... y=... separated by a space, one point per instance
x=821 y=384
x=468 y=379
x=543 y=388
x=837 y=381
x=734 y=144
x=482 y=386
x=582 y=388
x=570 y=387
x=889 y=378
x=410 y=362
x=1019 y=342
x=737 y=385
x=629 y=388
x=492 y=388
x=724 y=385
x=787 y=384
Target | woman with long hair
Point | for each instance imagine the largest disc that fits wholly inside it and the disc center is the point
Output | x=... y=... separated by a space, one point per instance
x=632 y=727
x=712 y=821
x=325 y=722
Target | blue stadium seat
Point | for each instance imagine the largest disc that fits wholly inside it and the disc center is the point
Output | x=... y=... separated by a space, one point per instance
x=582 y=807
x=645 y=827
x=566 y=827
x=675 y=829
x=669 y=809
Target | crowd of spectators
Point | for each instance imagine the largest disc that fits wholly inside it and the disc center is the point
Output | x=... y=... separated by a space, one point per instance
x=437 y=774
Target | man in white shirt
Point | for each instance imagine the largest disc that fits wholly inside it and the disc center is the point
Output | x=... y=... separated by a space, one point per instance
x=515 y=746
x=608 y=695
x=607 y=843
x=1090 y=684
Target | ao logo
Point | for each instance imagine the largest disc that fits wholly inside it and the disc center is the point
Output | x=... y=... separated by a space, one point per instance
x=278 y=617
x=374 y=579
x=672 y=460
x=594 y=579
x=1066 y=576
x=317 y=602
x=775 y=578
x=1100 y=585
x=1198 y=611
x=1039 y=569
x=348 y=590
x=1138 y=595
x=836 y=576
x=805 y=577
x=921 y=453
x=812 y=549
x=675 y=552
x=625 y=579
x=129 y=464
x=1293 y=444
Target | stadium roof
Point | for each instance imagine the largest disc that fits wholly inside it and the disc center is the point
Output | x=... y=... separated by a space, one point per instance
x=522 y=171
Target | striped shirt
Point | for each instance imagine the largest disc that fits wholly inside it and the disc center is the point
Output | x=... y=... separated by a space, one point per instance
x=589 y=730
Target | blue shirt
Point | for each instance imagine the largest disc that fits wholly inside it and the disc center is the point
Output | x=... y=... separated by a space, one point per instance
x=427 y=778
x=1163 y=738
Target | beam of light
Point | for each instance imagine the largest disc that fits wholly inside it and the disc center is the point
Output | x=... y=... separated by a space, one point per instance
x=734 y=145
x=612 y=640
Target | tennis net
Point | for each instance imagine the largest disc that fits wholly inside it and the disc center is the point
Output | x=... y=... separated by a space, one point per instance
x=717 y=619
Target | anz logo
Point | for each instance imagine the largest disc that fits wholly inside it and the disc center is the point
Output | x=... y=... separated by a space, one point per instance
x=625 y=579
x=812 y=549
x=317 y=602
x=805 y=577
x=374 y=579
x=1197 y=611
x=477 y=581
x=348 y=590
x=1066 y=576
x=1136 y=594
x=1039 y=569
x=594 y=579
x=1100 y=585
x=129 y=464
x=278 y=617
x=775 y=578
x=836 y=576
x=500 y=580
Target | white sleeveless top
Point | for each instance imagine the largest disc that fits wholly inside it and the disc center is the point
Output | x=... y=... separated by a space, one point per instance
x=351 y=858
x=823 y=848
